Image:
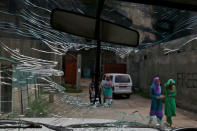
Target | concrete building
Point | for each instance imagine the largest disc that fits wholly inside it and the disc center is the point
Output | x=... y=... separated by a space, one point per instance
x=110 y=63
x=179 y=65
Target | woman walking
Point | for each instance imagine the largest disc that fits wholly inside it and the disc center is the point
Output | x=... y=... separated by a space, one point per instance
x=107 y=87
x=156 y=104
x=170 y=104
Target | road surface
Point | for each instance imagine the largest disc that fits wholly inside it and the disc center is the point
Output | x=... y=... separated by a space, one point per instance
x=136 y=108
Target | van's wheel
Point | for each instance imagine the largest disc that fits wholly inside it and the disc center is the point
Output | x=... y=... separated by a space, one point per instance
x=128 y=96
x=114 y=96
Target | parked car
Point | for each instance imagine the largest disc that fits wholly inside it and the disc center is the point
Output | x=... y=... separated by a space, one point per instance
x=122 y=83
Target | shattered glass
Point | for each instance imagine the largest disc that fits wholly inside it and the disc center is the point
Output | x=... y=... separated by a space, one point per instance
x=30 y=19
x=155 y=24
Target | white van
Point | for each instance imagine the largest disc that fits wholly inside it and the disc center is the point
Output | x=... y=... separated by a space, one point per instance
x=122 y=83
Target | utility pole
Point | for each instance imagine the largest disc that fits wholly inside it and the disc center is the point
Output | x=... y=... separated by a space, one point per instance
x=98 y=51
x=78 y=71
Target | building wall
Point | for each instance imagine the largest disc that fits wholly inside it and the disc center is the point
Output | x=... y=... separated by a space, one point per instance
x=89 y=60
x=25 y=47
x=21 y=102
x=151 y=62
x=16 y=101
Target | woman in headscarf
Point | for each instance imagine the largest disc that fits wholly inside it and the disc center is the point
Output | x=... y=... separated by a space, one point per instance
x=156 y=104
x=170 y=104
x=107 y=87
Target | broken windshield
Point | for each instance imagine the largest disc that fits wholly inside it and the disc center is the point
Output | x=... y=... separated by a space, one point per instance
x=49 y=75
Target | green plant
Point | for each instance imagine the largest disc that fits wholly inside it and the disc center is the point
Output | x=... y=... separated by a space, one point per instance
x=64 y=85
x=42 y=91
x=142 y=93
x=38 y=108
x=72 y=90
x=145 y=94
x=14 y=114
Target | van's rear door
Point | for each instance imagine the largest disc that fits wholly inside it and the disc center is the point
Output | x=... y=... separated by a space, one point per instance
x=123 y=81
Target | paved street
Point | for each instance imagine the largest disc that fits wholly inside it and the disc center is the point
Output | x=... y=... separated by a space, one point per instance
x=136 y=107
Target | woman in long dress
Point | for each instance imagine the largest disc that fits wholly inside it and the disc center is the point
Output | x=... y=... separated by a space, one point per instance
x=156 y=104
x=170 y=104
x=107 y=87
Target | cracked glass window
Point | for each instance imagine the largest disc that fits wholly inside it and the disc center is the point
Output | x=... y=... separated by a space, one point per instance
x=47 y=76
